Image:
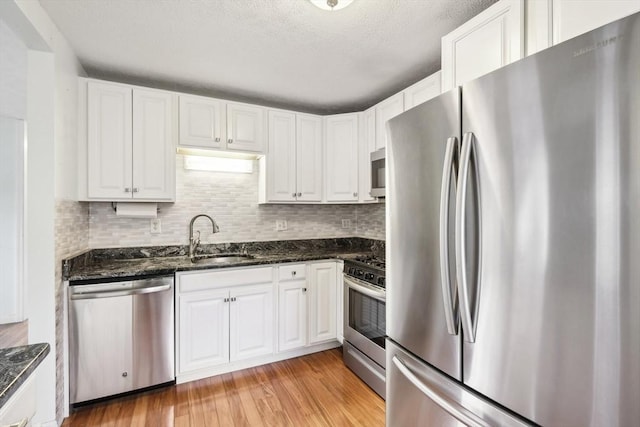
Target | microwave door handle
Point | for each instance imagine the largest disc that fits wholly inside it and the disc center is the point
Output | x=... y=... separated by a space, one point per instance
x=468 y=143
x=445 y=279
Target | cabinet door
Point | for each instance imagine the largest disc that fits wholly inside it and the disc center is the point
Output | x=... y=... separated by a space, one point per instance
x=101 y=339
x=574 y=17
x=367 y=145
x=201 y=122
x=154 y=160
x=309 y=158
x=422 y=91
x=203 y=330
x=341 y=167
x=292 y=319
x=109 y=141
x=488 y=41
x=245 y=128
x=387 y=109
x=252 y=322
x=322 y=302
x=281 y=159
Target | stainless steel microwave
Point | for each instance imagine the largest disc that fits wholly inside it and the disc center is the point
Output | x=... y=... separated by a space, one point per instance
x=378 y=164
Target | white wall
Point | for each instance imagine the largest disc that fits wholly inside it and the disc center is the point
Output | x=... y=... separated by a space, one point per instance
x=13 y=74
x=51 y=112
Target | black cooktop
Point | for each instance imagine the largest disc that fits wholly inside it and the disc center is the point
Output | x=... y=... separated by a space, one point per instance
x=368 y=269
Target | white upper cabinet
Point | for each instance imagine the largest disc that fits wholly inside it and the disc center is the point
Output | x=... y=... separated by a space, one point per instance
x=154 y=164
x=308 y=158
x=281 y=160
x=208 y=123
x=245 y=128
x=488 y=41
x=367 y=145
x=110 y=141
x=294 y=162
x=385 y=110
x=130 y=143
x=341 y=167
x=574 y=17
x=201 y=122
x=422 y=91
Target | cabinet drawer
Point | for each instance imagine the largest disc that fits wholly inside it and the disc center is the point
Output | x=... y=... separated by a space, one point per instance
x=292 y=272
x=21 y=406
x=193 y=282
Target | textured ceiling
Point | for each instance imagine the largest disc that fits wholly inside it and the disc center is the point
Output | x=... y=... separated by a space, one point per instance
x=284 y=53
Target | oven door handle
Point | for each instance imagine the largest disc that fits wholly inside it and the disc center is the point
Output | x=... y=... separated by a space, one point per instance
x=365 y=289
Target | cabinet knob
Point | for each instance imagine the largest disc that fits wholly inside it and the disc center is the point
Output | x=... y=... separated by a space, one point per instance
x=127 y=190
x=304 y=289
x=293 y=194
x=136 y=190
x=299 y=194
x=230 y=141
x=293 y=273
x=125 y=374
x=355 y=194
x=217 y=139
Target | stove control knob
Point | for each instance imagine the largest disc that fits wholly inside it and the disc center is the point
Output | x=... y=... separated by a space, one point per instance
x=368 y=276
x=359 y=273
x=381 y=281
x=352 y=270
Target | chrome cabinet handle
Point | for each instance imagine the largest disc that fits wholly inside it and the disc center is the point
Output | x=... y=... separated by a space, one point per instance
x=445 y=279
x=217 y=139
x=230 y=141
x=293 y=273
x=355 y=194
x=113 y=294
x=293 y=194
x=127 y=190
x=125 y=374
x=456 y=410
x=299 y=194
x=468 y=142
x=136 y=190
x=304 y=289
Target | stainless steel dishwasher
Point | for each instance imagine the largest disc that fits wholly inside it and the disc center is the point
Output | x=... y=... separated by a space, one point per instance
x=121 y=337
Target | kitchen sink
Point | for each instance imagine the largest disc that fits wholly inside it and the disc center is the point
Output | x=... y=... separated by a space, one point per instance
x=220 y=258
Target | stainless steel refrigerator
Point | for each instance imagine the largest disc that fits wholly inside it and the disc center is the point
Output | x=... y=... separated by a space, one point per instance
x=514 y=243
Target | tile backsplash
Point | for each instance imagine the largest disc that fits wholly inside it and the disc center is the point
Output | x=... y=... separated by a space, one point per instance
x=232 y=200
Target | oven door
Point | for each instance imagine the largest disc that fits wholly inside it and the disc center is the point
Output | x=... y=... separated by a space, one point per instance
x=365 y=318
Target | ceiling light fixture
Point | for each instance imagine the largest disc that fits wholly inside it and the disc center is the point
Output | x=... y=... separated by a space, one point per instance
x=331 y=4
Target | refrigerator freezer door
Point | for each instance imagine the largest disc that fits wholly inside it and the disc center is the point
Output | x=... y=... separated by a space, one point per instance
x=557 y=313
x=419 y=395
x=416 y=315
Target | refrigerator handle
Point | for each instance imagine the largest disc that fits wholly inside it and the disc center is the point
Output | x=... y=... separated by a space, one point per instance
x=453 y=408
x=452 y=149
x=468 y=144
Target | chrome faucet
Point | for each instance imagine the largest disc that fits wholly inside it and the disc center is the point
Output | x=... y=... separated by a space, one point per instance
x=195 y=241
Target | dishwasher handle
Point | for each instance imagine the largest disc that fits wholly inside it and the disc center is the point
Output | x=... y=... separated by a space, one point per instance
x=121 y=293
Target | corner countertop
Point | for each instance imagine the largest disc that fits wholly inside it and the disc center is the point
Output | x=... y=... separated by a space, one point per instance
x=16 y=364
x=100 y=264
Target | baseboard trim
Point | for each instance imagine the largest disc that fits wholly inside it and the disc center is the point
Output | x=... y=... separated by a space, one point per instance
x=252 y=363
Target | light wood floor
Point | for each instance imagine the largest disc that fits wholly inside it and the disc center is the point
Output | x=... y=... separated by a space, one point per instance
x=314 y=390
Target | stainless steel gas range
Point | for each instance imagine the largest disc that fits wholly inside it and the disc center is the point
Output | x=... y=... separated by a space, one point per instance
x=365 y=320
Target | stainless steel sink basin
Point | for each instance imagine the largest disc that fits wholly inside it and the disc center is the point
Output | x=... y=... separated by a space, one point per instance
x=220 y=258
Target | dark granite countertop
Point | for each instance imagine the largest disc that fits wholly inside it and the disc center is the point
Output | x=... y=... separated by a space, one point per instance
x=16 y=364
x=99 y=264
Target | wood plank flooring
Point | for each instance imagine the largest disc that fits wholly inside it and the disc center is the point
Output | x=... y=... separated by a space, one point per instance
x=314 y=390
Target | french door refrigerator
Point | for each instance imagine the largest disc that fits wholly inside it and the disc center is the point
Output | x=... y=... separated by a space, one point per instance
x=514 y=243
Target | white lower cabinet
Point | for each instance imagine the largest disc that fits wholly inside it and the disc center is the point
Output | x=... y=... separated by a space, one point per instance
x=203 y=330
x=292 y=315
x=235 y=318
x=322 y=302
x=224 y=316
x=251 y=322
